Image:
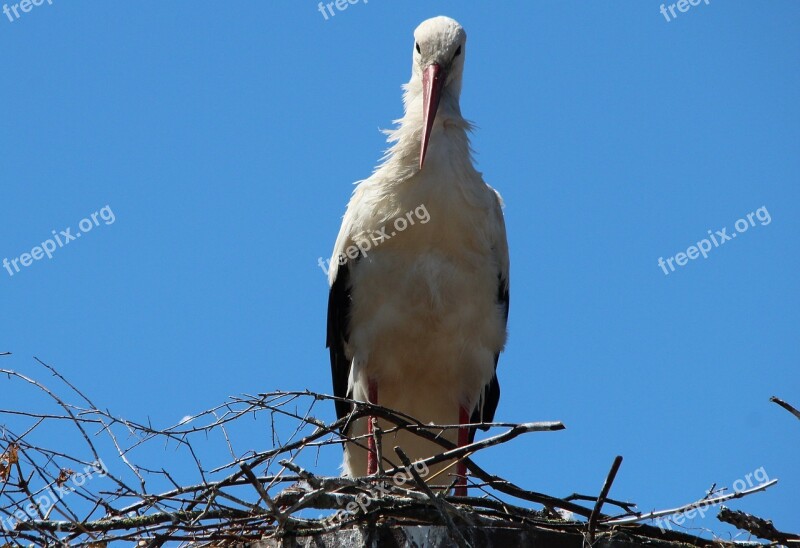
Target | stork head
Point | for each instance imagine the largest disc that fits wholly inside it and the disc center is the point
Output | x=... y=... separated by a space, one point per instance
x=439 y=45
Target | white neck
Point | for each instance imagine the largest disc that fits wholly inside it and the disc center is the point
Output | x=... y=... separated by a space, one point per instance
x=449 y=135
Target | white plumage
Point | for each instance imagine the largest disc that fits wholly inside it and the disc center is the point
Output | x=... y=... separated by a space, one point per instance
x=422 y=315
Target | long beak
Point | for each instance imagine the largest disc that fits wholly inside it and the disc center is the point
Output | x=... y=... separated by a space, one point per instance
x=433 y=78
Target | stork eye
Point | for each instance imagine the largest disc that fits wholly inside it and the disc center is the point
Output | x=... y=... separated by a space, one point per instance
x=417 y=46
x=458 y=52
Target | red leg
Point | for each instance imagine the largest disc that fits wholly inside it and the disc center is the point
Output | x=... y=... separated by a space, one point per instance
x=461 y=468
x=372 y=454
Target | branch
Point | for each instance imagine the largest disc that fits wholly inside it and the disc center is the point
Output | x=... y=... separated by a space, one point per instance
x=444 y=508
x=225 y=504
x=127 y=523
x=705 y=503
x=759 y=527
x=786 y=406
x=603 y=494
x=251 y=477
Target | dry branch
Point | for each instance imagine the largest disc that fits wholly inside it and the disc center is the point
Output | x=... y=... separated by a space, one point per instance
x=786 y=406
x=42 y=503
x=445 y=509
x=759 y=527
x=602 y=497
x=702 y=503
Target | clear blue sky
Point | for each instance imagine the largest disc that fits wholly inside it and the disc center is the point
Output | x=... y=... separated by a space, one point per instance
x=224 y=138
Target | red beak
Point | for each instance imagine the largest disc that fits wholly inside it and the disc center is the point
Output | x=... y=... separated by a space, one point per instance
x=433 y=78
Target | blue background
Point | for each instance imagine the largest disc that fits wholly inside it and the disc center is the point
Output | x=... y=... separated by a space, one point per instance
x=225 y=138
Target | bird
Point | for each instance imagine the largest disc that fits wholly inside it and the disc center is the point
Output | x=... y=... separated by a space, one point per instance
x=418 y=309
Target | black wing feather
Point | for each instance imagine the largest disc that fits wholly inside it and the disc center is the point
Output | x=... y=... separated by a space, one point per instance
x=339 y=302
x=487 y=403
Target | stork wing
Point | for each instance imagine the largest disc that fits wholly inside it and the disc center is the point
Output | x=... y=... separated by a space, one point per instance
x=339 y=304
x=339 y=301
x=490 y=397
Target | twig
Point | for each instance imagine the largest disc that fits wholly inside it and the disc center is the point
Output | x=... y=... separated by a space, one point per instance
x=627 y=506
x=603 y=494
x=125 y=523
x=377 y=435
x=786 y=406
x=251 y=477
x=759 y=527
x=494 y=481
x=444 y=508
x=704 y=502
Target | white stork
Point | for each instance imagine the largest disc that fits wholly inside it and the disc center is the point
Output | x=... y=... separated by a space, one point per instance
x=416 y=323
